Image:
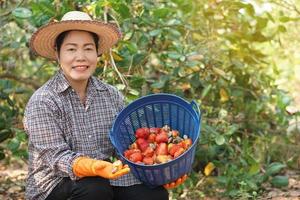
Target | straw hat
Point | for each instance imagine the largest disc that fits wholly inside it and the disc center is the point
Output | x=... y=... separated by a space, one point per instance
x=43 y=40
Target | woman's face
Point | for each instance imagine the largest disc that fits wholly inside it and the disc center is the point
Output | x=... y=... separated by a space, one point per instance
x=78 y=56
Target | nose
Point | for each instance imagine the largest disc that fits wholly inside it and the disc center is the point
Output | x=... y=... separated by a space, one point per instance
x=80 y=56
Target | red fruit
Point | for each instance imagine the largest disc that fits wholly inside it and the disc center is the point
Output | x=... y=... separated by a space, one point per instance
x=175 y=133
x=128 y=152
x=173 y=149
x=142 y=144
x=133 y=146
x=151 y=138
x=162 y=159
x=142 y=133
x=148 y=161
x=179 y=152
x=161 y=137
x=135 y=157
x=162 y=149
x=186 y=143
x=154 y=130
x=148 y=152
x=163 y=131
x=154 y=157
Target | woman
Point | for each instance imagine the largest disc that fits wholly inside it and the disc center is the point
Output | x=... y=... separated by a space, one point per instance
x=68 y=119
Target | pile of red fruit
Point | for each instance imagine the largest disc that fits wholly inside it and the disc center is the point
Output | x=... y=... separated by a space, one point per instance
x=157 y=145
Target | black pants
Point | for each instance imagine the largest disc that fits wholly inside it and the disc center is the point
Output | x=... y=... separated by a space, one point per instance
x=97 y=188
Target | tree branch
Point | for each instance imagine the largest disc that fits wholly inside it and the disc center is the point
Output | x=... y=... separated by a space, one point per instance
x=112 y=60
x=23 y=80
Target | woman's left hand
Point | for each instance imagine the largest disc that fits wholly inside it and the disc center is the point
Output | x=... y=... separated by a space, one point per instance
x=176 y=183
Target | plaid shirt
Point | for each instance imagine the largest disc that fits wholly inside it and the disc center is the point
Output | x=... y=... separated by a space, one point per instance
x=61 y=128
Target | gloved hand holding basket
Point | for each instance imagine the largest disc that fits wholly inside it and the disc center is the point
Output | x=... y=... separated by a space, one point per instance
x=158 y=110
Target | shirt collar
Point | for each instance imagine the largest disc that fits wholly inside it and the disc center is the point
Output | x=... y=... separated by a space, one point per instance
x=61 y=82
x=99 y=85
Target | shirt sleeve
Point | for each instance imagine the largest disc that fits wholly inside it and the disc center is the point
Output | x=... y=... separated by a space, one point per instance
x=117 y=97
x=46 y=137
x=120 y=101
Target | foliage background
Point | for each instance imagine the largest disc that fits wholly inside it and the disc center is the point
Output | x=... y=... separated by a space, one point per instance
x=237 y=59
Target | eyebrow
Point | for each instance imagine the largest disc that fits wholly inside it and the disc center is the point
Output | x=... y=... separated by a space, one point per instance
x=74 y=44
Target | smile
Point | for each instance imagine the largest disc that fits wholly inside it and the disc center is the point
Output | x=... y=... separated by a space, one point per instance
x=80 y=67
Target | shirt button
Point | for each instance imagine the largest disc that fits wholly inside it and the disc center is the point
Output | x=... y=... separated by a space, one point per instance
x=90 y=136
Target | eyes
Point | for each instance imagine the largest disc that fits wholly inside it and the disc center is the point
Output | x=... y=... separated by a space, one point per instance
x=72 y=49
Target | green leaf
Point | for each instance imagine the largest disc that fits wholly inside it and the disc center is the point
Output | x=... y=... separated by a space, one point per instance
x=254 y=168
x=21 y=135
x=223 y=180
x=155 y=32
x=232 y=129
x=285 y=19
x=261 y=23
x=259 y=37
x=250 y=9
x=158 y=85
x=220 y=140
x=195 y=80
x=252 y=184
x=2 y=124
x=206 y=91
x=123 y=10
x=143 y=41
x=173 y=22
x=22 y=13
x=5 y=134
x=13 y=144
x=176 y=34
x=281 y=29
x=131 y=47
x=274 y=168
x=10 y=102
x=120 y=86
x=137 y=81
x=161 y=83
x=20 y=90
x=138 y=58
x=161 y=12
x=134 y=92
x=15 y=45
x=174 y=55
x=99 y=9
x=280 y=181
x=21 y=153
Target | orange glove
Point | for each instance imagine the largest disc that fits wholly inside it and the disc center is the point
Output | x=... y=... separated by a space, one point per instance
x=176 y=183
x=84 y=166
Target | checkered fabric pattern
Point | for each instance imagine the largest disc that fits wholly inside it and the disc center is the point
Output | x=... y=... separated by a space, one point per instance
x=61 y=128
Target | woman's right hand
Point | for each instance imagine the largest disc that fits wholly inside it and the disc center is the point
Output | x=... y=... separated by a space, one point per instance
x=84 y=166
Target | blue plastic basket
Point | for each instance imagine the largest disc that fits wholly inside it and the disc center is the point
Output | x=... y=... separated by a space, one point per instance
x=158 y=110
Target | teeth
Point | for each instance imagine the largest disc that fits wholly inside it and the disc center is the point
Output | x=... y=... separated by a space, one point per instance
x=80 y=67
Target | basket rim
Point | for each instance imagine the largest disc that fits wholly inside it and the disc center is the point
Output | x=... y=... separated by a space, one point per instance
x=152 y=95
x=128 y=107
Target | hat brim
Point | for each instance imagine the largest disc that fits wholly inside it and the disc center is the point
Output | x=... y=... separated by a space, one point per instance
x=43 y=40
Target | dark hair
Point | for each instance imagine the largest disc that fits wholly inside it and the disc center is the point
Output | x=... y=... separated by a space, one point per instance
x=60 y=39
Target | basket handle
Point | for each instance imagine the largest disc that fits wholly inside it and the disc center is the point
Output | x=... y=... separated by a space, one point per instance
x=196 y=107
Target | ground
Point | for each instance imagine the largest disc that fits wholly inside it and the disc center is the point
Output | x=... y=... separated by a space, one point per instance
x=12 y=185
